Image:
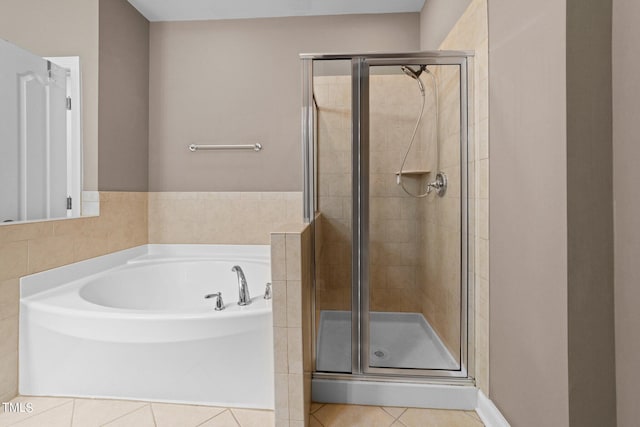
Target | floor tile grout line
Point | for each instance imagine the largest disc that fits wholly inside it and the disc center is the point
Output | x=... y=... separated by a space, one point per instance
x=35 y=415
x=316 y=418
x=153 y=414
x=322 y=405
x=234 y=416
x=216 y=415
x=210 y=418
x=394 y=417
x=124 y=415
x=477 y=420
x=73 y=412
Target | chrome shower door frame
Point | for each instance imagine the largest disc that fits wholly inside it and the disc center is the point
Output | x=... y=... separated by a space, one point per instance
x=360 y=328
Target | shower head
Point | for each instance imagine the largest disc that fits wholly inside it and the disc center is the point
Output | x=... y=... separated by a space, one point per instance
x=411 y=72
x=415 y=74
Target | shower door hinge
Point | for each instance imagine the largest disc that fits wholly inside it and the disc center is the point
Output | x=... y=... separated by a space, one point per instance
x=69 y=203
x=68 y=103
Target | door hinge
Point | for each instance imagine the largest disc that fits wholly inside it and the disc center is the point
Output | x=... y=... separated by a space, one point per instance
x=68 y=103
x=69 y=203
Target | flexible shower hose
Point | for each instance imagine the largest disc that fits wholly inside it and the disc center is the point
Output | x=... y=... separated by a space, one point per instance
x=413 y=137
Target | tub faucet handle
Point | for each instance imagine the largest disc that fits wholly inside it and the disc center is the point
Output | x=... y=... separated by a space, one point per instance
x=219 y=302
x=267 y=291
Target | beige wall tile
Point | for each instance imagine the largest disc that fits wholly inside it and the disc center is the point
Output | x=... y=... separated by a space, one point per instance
x=9 y=334
x=13 y=259
x=281 y=350
x=294 y=256
x=296 y=400
x=49 y=252
x=18 y=232
x=279 y=303
x=294 y=303
x=220 y=218
x=282 y=397
x=8 y=375
x=9 y=298
x=278 y=257
x=295 y=350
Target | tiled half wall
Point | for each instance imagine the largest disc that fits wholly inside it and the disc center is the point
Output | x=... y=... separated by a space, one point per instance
x=291 y=281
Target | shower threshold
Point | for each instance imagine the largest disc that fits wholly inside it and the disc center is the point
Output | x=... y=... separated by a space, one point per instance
x=397 y=340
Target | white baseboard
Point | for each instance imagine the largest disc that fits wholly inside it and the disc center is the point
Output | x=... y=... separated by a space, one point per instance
x=489 y=413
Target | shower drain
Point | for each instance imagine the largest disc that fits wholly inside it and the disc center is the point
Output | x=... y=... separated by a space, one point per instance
x=380 y=354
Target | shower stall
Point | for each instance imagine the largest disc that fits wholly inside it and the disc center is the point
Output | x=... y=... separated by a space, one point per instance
x=389 y=186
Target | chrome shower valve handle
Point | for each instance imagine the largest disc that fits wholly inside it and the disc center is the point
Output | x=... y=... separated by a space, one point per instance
x=219 y=303
x=439 y=185
x=267 y=291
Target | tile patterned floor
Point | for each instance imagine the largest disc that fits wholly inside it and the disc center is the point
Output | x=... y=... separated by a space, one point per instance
x=61 y=411
x=330 y=415
x=65 y=412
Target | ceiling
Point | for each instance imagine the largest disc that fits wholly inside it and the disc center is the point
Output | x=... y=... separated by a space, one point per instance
x=191 y=10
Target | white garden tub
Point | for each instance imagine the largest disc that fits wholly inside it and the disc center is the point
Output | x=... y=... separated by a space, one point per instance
x=135 y=325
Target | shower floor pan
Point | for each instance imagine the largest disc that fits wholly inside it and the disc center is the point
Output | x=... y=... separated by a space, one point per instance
x=397 y=340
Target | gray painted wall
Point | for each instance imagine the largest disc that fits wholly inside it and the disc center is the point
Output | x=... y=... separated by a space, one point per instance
x=551 y=230
x=123 y=131
x=592 y=387
x=239 y=82
x=626 y=178
x=437 y=18
x=528 y=373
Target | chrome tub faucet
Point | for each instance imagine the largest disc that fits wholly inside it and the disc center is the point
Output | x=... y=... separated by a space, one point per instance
x=243 y=289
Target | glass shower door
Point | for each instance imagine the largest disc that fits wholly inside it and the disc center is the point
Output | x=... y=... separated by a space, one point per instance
x=415 y=283
x=386 y=189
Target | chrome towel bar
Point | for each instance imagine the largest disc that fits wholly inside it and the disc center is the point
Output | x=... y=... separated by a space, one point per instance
x=254 y=147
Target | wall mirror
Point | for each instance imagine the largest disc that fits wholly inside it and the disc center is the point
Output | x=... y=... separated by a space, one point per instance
x=40 y=136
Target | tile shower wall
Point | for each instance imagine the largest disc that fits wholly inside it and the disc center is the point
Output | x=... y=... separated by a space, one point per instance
x=220 y=217
x=34 y=247
x=394 y=101
x=439 y=219
x=293 y=364
x=470 y=33
x=333 y=250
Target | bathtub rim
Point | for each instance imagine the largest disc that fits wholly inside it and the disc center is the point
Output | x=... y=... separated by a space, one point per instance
x=57 y=291
x=47 y=280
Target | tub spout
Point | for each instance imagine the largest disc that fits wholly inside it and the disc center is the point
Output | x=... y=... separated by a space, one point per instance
x=243 y=289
